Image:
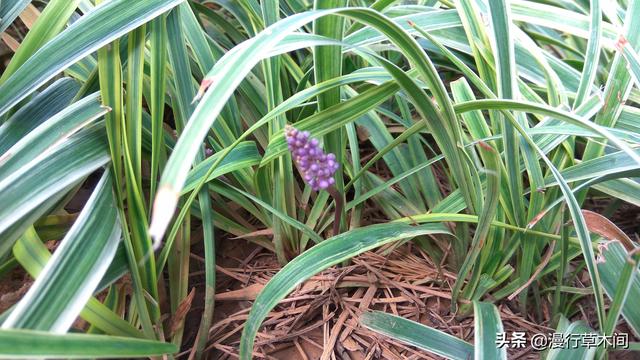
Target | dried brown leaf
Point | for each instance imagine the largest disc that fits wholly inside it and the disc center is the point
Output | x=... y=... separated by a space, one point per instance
x=248 y=293
x=177 y=320
x=602 y=226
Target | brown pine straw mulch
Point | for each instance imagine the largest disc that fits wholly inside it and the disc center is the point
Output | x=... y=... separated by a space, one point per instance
x=319 y=320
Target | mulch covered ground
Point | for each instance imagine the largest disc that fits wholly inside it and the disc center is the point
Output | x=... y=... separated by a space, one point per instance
x=323 y=312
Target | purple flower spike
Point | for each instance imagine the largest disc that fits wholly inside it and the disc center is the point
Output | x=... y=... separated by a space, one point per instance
x=317 y=168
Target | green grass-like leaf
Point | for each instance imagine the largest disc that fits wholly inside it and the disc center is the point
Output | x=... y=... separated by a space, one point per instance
x=423 y=337
x=28 y=344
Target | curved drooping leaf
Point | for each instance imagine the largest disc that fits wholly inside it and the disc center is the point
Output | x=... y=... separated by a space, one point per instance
x=329 y=252
x=421 y=336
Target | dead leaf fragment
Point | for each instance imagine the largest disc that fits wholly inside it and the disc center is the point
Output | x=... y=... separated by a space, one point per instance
x=602 y=226
x=177 y=321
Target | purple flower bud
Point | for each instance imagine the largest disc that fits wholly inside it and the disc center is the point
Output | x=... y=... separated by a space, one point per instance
x=316 y=167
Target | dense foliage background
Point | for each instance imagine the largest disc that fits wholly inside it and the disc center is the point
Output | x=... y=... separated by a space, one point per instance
x=496 y=137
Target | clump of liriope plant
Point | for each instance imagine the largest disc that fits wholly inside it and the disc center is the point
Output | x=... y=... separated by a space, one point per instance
x=316 y=167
